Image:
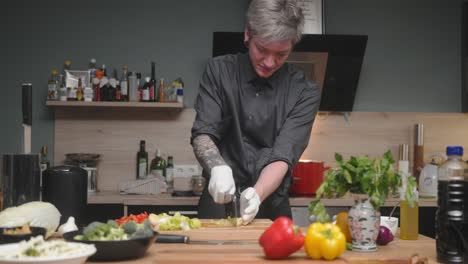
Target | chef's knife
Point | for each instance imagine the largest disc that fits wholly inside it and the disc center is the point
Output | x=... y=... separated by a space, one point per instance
x=26 y=106
x=232 y=209
x=168 y=238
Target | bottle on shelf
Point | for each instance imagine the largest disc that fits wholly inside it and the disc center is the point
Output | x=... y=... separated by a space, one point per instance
x=64 y=91
x=142 y=161
x=92 y=68
x=53 y=86
x=170 y=173
x=180 y=90
x=104 y=89
x=153 y=90
x=145 y=90
x=112 y=89
x=124 y=85
x=158 y=165
x=97 y=85
x=79 y=90
x=161 y=95
x=451 y=225
x=117 y=86
x=139 y=87
x=88 y=94
x=133 y=87
x=104 y=70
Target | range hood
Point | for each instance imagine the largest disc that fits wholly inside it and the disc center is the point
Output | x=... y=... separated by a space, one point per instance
x=333 y=61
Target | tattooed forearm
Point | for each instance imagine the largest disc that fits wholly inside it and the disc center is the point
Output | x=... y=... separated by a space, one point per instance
x=206 y=152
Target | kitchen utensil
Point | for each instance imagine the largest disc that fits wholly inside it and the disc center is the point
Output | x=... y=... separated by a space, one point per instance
x=66 y=187
x=307 y=177
x=418 y=161
x=232 y=208
x=116 y=249
x=13 y=238
x=26 y=105
x=169 y=238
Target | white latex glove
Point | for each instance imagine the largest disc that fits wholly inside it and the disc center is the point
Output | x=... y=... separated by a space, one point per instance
x=222 y=186
x=249 y=204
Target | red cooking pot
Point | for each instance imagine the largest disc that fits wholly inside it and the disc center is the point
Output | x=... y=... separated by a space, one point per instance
x=307 y=177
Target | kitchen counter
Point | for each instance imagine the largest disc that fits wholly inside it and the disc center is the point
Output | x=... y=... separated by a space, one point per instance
x=168 y=199
x=398 y=251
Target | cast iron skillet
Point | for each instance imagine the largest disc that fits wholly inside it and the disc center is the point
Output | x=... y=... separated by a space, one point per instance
x=116 y=250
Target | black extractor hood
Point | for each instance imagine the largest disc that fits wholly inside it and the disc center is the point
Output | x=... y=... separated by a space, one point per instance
x=334 y=61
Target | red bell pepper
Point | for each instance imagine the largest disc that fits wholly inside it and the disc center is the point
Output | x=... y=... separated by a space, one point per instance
x=281 y=239
x=139 y=218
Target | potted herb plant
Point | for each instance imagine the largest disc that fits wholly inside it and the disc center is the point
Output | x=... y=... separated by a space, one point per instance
x=370 y=182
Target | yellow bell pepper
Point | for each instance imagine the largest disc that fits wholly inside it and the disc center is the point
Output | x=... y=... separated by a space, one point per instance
x=324 y=240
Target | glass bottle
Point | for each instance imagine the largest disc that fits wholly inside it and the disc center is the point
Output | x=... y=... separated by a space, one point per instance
x=142 y=161
x=92 y=68
x=145 y=91
x=452 y=213
x=79 y=90
x=66 y=67
x=139 y=87
x=112 y=89
x=153 y=91
x=158 y=165
x=170 y=173
x=124 y=85
x=53 y=86
x=161 y=95
x=116 y=86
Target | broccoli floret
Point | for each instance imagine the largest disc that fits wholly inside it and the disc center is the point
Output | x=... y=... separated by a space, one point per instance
x=130 y=227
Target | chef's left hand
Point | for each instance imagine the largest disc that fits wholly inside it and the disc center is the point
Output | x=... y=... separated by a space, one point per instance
x=249 y=204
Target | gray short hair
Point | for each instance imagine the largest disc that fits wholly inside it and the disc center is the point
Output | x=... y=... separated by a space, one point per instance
x=275 y=20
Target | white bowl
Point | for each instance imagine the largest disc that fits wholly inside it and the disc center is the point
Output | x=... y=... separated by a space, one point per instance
x=389 y=222
x=77 y=258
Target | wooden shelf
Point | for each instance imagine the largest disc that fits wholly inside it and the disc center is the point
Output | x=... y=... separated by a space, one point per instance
x=172 y=105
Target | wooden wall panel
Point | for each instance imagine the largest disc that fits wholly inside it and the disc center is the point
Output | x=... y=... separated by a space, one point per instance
x=115 y=134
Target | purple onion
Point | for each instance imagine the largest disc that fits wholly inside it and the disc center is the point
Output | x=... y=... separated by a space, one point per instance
x=385 y=236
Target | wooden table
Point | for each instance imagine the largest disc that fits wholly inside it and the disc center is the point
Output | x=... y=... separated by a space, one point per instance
x=398 y=251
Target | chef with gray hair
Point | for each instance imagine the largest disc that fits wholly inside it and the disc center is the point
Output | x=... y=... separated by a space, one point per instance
x=254 y=115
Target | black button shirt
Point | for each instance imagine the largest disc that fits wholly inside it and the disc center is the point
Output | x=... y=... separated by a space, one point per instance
x=255 y=121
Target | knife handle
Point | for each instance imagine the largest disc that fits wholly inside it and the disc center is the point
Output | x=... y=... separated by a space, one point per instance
x=166 y=238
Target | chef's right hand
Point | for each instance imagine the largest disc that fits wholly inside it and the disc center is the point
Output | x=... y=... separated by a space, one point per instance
x=221 y=186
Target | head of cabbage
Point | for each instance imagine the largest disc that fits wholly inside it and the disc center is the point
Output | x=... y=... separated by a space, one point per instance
x=40 y=214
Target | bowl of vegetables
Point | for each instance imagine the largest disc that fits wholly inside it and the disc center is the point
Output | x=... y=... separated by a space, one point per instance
x=20 y=233
x=115 y=242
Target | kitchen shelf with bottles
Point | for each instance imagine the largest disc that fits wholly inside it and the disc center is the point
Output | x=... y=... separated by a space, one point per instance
x=162 y=105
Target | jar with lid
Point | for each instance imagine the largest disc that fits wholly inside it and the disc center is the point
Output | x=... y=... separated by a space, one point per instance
x=198 y=184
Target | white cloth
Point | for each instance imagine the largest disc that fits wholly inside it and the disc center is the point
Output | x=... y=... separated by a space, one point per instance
x=222 y=186
x=249 y=204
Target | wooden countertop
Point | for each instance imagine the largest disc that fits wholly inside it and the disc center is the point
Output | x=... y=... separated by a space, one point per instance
x=398 y=251
x=167 y=199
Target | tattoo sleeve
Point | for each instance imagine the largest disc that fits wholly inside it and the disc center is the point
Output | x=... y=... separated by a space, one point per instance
x=206 y=152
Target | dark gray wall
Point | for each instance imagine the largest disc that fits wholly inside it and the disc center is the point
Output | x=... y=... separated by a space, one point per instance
x=412 y=62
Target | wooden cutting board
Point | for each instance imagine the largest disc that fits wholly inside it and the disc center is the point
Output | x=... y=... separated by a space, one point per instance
x=398 y=251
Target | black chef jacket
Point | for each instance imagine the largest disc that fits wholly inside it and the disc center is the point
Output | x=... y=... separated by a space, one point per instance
x=254 y=122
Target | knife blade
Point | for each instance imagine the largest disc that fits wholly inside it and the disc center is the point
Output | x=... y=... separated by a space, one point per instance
x=232 y=209
x=183 y=239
